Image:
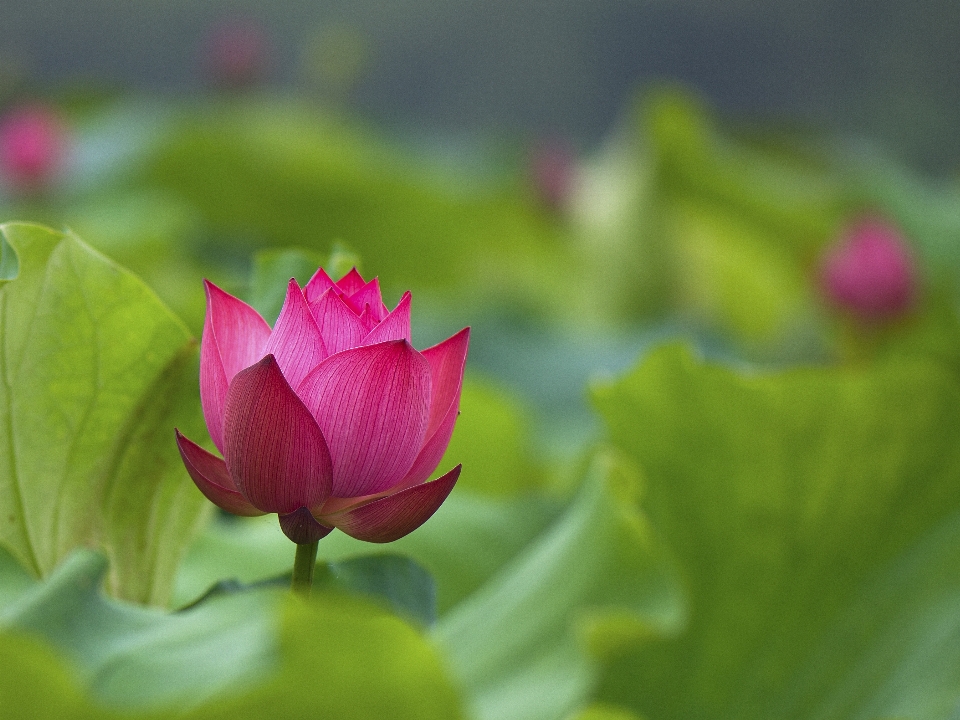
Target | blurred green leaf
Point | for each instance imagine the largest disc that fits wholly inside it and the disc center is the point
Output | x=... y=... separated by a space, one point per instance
x=602 y=711
x=96 y=371
x=895 y=651
x=285 y=173
x=465 y=542
x=492 y=440
x=778 y=185
x=782 y=494
x=526 y=645
x=38 y=684
x=272 y=270
x=245 y=655
x=394 y=581
x=135 y=657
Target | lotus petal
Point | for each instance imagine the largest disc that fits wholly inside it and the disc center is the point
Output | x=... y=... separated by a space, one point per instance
x=275 y=451
x=372 y=403
x=394 y=516
x=210 y=475
x=301 y=527
x=370 y=295
x=396 y=326
x=351 y=283
x=339 y=325
x=447 y=361
x=234 y=335
x=317 y=285
x=296 y=342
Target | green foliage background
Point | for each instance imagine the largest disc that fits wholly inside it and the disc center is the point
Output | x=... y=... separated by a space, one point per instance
x=691 y=488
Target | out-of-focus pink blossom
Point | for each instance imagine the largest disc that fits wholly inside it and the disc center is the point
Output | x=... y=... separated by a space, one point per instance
x=32 y=148
x=870 y=271
x=553 y=173
x=237 y=53
x=331 y=419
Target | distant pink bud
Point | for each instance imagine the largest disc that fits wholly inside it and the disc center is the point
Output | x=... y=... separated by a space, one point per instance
x=237 y=53
x=870 y=272
x=32 y=147
x=553 y=172
x=331 y=419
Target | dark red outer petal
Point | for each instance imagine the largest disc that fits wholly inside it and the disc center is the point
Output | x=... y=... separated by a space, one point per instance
x=394 y=516
x=210 y=475
x=274 y=449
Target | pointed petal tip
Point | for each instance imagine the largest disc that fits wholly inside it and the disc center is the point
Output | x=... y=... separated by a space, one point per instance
x=209 y=474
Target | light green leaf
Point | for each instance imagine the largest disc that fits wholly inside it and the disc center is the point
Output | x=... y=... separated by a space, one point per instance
x=526 y=645
x=895 y=651
x=782 y=495
x=95 y=374
x=244 y=655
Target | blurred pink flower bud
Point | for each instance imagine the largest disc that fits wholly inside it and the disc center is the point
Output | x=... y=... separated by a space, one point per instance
x=870 y=272
x=553 y=172
x=32 y=148
x=331 y=419
x=237 y=53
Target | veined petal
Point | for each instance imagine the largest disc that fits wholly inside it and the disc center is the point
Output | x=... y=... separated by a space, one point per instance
x=447 y=362
x=317 y=285
x=234 y=335
x=210 y=475
x=296 y=342
x=394 y=516
x=275 y=452
x=372 y=403
x=367 y=319
x=396 y=326
x=370 y=295
x=301 y=527
x=339 y=326
x=351 y=283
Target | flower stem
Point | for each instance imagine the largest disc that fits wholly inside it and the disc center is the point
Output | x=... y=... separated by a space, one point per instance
x=303 y=564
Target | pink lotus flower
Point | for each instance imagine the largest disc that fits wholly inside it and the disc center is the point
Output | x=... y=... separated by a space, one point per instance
x=32 y=145
x=870 y=272
x=332 y=419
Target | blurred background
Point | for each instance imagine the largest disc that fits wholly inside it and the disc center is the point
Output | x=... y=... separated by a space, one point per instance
x=882 y=71
x=588 y=185
x=577 y=180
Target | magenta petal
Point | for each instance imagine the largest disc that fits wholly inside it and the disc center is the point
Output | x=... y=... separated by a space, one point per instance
x=233 y=338
x=447 y=361
x=210 y=475
x=296 y=342
x=370 y=295
x=301 y=527
x=274 y=449
x=351 y=283
x=396 y=326
x=317 y=285
x=339 y=326
x=234 y=335
x=372 y=403
x=394 y=516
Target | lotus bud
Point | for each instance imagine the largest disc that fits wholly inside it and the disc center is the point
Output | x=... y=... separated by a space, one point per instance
x=870 y=272
x=330 y=419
